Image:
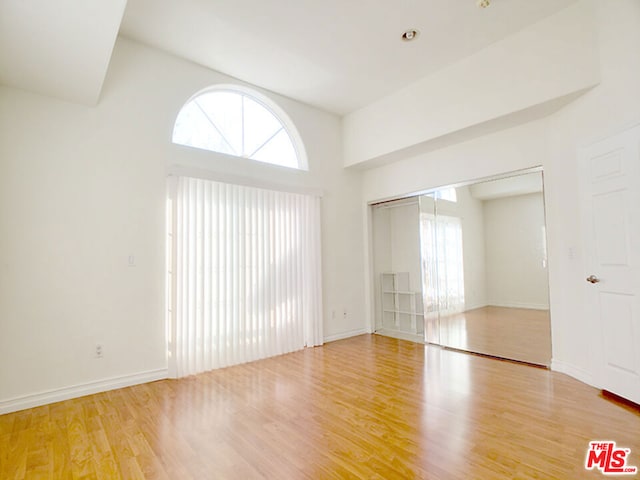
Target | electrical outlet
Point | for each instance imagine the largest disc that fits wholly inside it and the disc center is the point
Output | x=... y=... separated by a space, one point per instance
x=99 y=353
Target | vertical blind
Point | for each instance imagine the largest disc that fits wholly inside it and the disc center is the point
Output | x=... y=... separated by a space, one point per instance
x=245 y=274
x=442 y=254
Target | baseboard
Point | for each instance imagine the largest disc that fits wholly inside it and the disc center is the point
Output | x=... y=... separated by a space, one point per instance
x=411 y=337
x=530 y=306
x=573 y=371
x=75 y=391
x=475 y=306
x=343 y=335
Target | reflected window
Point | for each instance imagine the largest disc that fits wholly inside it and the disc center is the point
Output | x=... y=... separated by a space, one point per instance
x=442 y=251
x=446 y=194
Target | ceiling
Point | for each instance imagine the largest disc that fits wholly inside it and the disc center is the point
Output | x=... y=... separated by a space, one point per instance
x=520 y=184
x=334 y=54
x=58 y=48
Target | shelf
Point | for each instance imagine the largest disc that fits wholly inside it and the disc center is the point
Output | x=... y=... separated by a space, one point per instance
x=401 y=308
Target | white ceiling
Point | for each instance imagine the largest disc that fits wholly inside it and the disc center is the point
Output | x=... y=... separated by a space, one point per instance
x=59 y=48
x=507 y=187
x=334 y=54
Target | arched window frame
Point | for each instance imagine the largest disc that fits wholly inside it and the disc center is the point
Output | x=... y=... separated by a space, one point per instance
x=269 y=105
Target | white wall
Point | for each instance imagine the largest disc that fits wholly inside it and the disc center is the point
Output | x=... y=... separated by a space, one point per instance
x=516 y=273
x=82 y=188
x=552 y=142
x=512 y=149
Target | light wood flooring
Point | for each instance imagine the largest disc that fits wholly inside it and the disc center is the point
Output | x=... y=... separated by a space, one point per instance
x=516 y=333
x=367 y=407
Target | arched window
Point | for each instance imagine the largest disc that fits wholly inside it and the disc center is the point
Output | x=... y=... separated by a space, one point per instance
x=234 y=121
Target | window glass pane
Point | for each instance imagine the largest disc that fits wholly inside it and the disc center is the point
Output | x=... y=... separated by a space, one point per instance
x=193 y=129
x=259 y=125
x=279 y=151
x=224 y=109
x=447 y=194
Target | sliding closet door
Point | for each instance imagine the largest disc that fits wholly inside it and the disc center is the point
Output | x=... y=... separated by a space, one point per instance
x=396 y=267
x=485 y=268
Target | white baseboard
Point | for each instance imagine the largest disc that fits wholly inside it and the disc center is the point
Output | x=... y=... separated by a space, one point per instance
x=573 y=371
x=57 y=395
x=468 y=307
x=412 y=337
x=343 y=335
x=531 y=306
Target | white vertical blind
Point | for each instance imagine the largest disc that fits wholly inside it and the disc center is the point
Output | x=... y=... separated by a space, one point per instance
x=442 y=254
x=245 y=274
x=450 y=264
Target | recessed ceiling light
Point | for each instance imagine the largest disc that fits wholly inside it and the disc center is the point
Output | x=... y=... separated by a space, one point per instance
x=484 y=3
x=409 y=35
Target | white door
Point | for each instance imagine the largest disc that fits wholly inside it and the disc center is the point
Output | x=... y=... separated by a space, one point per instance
x=611 y=186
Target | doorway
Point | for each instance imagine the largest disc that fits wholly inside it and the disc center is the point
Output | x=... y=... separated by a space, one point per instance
x=611 y=223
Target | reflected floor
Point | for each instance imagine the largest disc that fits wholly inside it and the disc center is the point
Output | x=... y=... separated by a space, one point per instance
x=516 y=333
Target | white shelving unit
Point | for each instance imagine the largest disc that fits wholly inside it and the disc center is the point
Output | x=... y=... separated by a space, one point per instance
x=402 y=310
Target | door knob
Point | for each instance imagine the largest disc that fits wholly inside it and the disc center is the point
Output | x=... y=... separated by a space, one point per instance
x=592 y=279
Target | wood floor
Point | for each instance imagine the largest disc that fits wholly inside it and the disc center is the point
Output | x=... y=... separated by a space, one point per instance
x=516 y=333
x=367 y=407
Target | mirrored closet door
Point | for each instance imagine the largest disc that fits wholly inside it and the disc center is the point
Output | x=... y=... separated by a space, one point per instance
x=465 y=267
x=484 y=262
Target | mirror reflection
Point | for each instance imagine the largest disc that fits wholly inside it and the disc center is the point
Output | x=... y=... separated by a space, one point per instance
x=466 y=268
x=484 y=263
